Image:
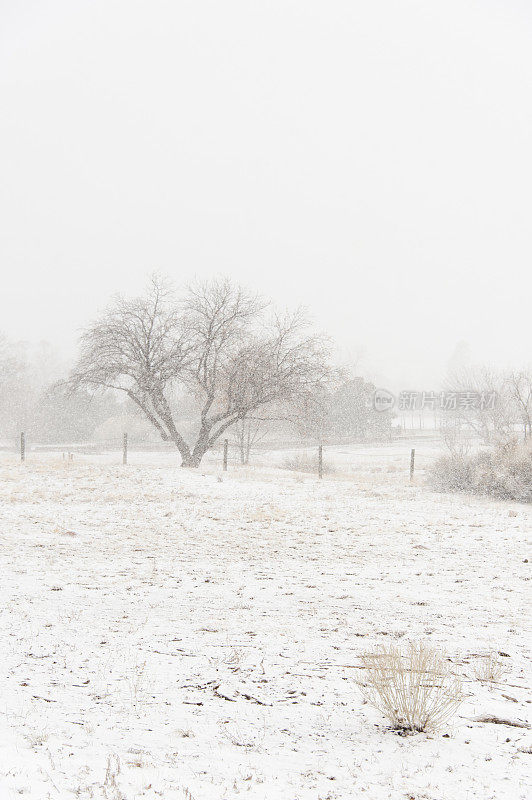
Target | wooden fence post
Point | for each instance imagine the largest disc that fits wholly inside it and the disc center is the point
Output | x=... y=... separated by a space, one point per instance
x=412 y=456
x=124 y=449
x=22 y=446
x=226 y=445
x=320 y=461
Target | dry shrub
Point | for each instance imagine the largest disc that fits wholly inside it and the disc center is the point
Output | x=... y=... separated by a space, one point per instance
x=490 y=668
x=504 y=473
x=413 y=687
x=452 y=473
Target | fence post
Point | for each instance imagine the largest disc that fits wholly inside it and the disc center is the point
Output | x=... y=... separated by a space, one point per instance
x=124 y=449
x=412 y=456
x=226 y=445
x=22 y=446
x=320 y=461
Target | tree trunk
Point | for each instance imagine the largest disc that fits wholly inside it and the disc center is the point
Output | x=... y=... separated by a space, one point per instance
x=192 y=460
x=204 y=442
x=248 y=446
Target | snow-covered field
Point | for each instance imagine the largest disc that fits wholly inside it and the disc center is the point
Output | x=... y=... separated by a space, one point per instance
x=195 y=635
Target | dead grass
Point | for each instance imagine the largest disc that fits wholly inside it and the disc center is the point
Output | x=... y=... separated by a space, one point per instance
x=301 y=462
x=414 y=688
x=490 y=668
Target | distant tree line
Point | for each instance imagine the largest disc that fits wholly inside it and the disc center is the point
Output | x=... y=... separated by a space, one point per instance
x=508 y=415
x=34 y=401
x=216 y=360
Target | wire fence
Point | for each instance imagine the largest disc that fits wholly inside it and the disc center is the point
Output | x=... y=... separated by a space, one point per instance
x=407 y=457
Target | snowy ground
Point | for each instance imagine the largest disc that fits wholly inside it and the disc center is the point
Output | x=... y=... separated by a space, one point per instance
x=193 y=635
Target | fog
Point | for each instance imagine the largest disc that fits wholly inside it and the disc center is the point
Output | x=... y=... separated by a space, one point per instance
x=370 y=161
x=265 y=399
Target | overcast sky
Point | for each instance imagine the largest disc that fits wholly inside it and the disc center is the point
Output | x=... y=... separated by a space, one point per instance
x=371 y=160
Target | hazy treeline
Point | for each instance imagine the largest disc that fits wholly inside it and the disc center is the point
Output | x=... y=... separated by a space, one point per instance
x=214 y=359
x=507 y=410
x=34 y=399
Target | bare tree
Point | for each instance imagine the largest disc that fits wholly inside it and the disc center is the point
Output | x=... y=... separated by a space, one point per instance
x=243 y=362
x=138 y=347
x=247 y=433
x=520 y=390
x=216 y=343
x=490 y=416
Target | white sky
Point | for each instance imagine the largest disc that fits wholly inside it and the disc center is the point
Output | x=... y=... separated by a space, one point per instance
x=371 y=160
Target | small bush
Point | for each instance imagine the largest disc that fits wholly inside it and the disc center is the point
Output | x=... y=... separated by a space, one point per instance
x=452 y=474
x=490 y=668
x=415 y=689
x=504 y=473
